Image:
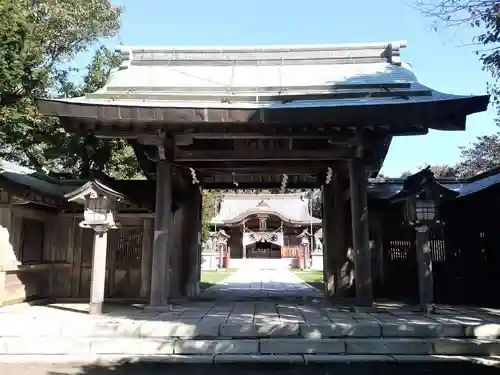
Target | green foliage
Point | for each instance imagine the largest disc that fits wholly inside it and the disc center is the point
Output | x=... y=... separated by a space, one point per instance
x=38 y=40
x=484 y=17
x=483 y=154
x=20 y=55
x=211 y=201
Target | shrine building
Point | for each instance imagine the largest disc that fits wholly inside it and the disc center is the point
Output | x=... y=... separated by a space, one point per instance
x=266 y=226
x=273 y=117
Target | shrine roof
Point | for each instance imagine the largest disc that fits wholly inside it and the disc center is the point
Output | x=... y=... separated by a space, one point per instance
x=481 y=181
x=228 y=84
x=38 y=181
x=38 y=187
x=388 y=188
x=291 y=208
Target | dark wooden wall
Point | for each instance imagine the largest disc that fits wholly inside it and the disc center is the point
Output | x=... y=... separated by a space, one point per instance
x=465 y=252
x=123 y=263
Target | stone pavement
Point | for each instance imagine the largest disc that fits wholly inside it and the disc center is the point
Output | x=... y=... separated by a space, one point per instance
x=251 y=282
x=248 y=331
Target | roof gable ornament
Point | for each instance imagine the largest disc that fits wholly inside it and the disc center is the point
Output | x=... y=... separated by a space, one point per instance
x=423 y=184
x=262 y=203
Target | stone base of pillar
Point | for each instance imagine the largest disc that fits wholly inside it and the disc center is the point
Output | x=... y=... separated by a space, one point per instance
x=95 y=308
x=428 y=308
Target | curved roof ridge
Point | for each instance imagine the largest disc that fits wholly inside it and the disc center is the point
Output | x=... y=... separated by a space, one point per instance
x=264 y=196
x=264 y=48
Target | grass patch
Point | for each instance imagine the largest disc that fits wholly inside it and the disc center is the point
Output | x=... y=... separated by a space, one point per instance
x=312 y=277
x=212 y=277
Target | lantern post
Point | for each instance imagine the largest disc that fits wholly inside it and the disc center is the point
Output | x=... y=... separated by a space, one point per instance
x=305 y=242
x=99 y=214
x=221 y=238
x=421 y=196
x=421 y=213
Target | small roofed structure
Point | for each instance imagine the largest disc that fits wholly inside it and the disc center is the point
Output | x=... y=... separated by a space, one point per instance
x=423 y=183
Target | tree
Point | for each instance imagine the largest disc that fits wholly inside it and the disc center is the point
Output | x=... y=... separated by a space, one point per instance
x=439 y=171
x=209 y=210
x=443 y=171
x=44 y=36
x=82 y=153
x=483 y=154
x=20 y=56
x=482 y=15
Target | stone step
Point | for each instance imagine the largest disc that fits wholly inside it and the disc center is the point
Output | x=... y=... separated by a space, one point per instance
x=154 y=347
x=210 y=327
x=306 y=359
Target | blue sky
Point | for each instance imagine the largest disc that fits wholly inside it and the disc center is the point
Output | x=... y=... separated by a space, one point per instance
x=440 y=59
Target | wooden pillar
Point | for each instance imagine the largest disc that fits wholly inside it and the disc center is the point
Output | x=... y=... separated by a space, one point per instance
x=328 y=240
x=343 y=262
x=163 y=208
x=424 y=259
x=378 y=238
x=192 y=234
x=336 y=265
x=176 y=251
x=147 y=257
x=8 y=255
x=360 y=233
x=98 y=272
x=243 y=248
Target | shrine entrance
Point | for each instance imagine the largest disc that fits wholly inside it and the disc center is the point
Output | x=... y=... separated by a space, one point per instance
x=274 y=118
x=263 y=249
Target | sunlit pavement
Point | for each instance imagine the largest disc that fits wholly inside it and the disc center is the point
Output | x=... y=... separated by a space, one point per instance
x=252 y=282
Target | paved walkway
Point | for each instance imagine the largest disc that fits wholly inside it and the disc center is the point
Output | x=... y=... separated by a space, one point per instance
x=254 y=282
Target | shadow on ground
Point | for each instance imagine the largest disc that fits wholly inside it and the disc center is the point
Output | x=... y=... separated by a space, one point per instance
x=276 y=369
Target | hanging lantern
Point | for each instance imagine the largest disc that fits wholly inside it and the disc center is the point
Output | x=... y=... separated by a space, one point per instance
x=420 y=210
x=100 y=205
x=425 y=209
x=304 y=241
x=99 y=210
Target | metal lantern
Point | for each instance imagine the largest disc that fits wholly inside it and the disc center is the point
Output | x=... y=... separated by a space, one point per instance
x=425 y=209
x=99 y=210
x=222 y=237
x=420 y=210
x=410 y=210
x=304 y=237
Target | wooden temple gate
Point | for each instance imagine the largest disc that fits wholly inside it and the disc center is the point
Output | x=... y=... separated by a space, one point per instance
x=315 y=119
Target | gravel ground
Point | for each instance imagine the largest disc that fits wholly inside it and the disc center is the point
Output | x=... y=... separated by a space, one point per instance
x=286 y=369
